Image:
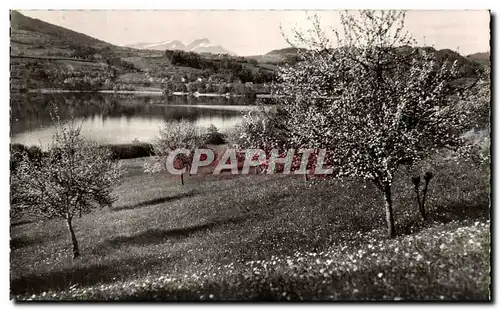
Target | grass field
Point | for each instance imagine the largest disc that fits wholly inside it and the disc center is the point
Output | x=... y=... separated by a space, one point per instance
x=269 y=237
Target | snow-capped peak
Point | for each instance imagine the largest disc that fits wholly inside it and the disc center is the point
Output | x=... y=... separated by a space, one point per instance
x=157 y=44
x=198 y=46
x=205 y=44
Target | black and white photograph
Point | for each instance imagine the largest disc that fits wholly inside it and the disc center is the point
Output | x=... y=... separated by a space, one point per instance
x=250 y=155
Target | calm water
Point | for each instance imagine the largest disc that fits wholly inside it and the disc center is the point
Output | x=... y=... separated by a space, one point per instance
x=117 y=119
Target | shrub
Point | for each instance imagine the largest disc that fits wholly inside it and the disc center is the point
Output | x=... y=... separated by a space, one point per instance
x=175 y=135
x=16 y=155
x=213 y=136
x=129 y=151
x=34 y=153
x=18 y=151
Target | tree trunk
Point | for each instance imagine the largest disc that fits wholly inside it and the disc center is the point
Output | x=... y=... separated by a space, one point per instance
x=389 y=216
x=422 y=210
x=76 y=249
x=182 y=178
x=420 y=203
x=424 y=195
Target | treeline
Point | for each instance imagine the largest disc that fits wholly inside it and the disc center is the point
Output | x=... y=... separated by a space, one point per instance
x=118 y=151
x=106 y=55
x=248 y=90
x=245 y=70
x=48 y=73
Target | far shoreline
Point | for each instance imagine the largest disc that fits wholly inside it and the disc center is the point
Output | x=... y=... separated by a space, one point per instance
x=154 y=92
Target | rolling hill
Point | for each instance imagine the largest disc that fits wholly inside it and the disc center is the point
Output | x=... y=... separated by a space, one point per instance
x=43 y=55
x=48 y=56
x=481 y=58
x=470 y=65
x=30 y=30
x=34 y=37
x=278 y=56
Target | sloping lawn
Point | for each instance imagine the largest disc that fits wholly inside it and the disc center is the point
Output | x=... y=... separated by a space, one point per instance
x=269 y=237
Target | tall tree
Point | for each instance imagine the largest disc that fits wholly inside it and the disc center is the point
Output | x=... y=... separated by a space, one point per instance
x=373 y=101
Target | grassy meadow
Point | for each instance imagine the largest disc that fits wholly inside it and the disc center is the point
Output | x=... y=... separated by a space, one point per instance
x=263 y=237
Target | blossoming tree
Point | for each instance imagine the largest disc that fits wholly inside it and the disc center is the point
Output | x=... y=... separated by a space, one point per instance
x=72 y=178
x=174 y=136
x=373 y=101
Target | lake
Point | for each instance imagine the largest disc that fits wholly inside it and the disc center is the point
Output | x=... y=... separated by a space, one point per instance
x=114 y=119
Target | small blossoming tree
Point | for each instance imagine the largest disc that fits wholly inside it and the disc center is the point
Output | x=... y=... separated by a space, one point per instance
x=374 y=101
x=72 y=178
x=175 y=135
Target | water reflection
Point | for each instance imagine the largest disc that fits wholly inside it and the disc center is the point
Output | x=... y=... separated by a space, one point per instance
x=116 y=119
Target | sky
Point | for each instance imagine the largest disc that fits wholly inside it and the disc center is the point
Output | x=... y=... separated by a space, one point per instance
x=258 y=32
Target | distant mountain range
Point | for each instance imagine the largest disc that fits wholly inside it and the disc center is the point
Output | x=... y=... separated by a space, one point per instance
x=35 y=38
x=197 y=46
x=470 y=62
